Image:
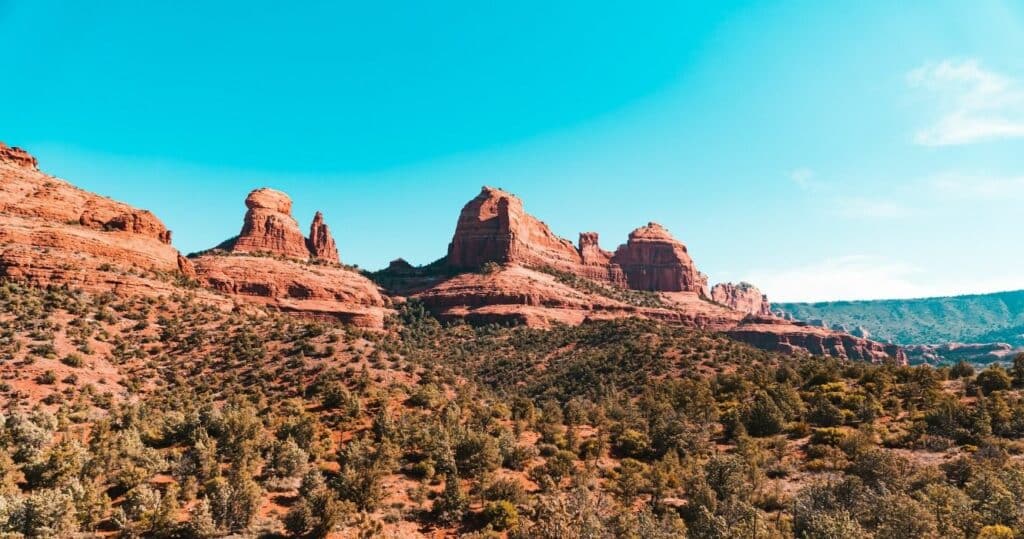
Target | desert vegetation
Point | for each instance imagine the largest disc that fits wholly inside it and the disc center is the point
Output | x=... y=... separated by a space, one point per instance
x=167 y=417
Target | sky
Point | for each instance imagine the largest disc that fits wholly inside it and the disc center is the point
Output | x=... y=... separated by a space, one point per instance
x=820 y=150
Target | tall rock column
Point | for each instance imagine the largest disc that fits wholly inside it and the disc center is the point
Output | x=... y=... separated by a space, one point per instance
x=321 y=244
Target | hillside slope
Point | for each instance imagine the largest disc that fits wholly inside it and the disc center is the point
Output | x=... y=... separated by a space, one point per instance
x=168 y=417
x=978 y=318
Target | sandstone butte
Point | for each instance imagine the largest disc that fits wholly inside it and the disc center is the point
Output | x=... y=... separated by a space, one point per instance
x=503 y=265
x=272 y=263
x=506 y=266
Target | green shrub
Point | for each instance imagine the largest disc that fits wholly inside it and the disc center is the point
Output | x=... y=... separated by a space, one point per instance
x=72 y=360
x=501 y=515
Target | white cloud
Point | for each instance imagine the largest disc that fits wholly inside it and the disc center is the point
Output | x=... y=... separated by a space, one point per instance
x=869 y=277
x=976 y=104
x=847 y=277
x=961 y=186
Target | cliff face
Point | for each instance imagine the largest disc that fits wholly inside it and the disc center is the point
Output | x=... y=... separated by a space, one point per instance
x=743 y=297
x=494 y=227
x=783 y=336
x=14 y=156
x=655 y=261
x=53 y=233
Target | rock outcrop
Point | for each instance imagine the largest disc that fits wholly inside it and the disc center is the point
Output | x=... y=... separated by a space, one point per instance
x=15 y=156
x=321 y=244
x=494 y=227
x=53 y=233
x=303 y=276
x=655 y=261
x=319 y=291
x=779 y=335
x=743 y=297
x=521 y=295
x=269 y=227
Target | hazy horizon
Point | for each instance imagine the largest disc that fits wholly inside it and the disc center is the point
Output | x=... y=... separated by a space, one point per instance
x=821 y=153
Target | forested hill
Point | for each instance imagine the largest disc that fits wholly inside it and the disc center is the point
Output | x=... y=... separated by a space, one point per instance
x=997 y=317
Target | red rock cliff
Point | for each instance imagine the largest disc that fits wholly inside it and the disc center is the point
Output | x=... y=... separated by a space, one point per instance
x=269 y=228
x=742 y=297
x=493 y=227
x=653 y=260
x=52 y=232
x=16 y=156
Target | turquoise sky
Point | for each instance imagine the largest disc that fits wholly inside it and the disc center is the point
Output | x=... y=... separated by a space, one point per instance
x=823 y=150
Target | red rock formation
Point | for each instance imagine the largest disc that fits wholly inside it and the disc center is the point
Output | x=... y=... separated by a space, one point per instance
x=321 y=244
x=520 y=295
x=53 y=233
x=591 y=252
x=186 y=267
x=743 y=297
x=653 y=260
x=17 y=157
x=135 y=221
x=315 y=290
x=779 y=335
x=289 y=283
x=269 y=226
x=493 y=227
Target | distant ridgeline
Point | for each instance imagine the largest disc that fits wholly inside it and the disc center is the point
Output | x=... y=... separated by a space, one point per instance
x=980 y=318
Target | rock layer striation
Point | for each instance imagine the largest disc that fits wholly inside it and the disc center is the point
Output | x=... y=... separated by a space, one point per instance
x=53 y=233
